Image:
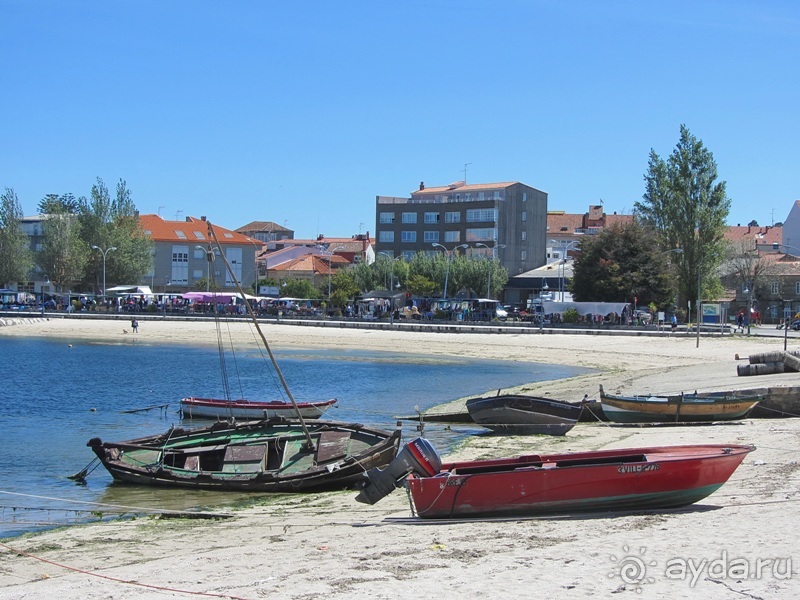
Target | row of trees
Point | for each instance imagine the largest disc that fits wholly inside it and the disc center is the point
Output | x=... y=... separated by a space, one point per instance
x=70 y=229
x=424 y=275
x=675 y=250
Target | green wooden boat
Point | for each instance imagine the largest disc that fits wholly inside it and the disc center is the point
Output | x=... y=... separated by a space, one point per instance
x=254 y=456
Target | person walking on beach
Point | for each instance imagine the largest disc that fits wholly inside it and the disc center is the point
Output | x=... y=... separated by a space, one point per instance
x=674 y=322
x=135 y=325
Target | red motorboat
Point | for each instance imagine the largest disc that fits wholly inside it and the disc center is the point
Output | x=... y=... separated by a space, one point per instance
x=212 y=408
x=601 y=480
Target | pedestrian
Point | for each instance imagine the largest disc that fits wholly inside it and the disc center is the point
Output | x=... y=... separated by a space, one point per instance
x=740 y=320
x=674 y=322
x=135 y=325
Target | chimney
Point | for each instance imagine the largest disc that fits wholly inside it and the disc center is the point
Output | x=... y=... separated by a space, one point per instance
x=421 y=185
x=203 y=218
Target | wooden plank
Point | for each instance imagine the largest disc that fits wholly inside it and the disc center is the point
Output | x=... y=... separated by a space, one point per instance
x=333 y=445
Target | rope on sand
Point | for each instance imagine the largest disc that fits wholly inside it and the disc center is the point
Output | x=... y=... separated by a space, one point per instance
x=117 y=579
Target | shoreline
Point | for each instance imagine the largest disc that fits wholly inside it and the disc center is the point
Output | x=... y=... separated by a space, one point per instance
x=331 y=546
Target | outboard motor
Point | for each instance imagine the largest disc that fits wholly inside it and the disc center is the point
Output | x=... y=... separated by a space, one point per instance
x=418 y=456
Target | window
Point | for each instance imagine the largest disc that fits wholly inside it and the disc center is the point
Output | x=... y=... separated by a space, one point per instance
x=408 y=255
x=452 y=217
x=452 y=236
x=774 y=288
x=408 y=236
x=481 y=234
x=481 y=196
x=386 y=236
x=477 y=215
x=524 y=255
x=524 y=235
x=524 y=196
x=386 y=218
x=431 y=217
x=797 y=289
x=409 y=217
x=431 y=236
x=524 y=216
x=496 y=195
x=180 y=265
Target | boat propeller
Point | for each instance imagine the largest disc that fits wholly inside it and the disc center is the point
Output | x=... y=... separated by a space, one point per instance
x=418 y=456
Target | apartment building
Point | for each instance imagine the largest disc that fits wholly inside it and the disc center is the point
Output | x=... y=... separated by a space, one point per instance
x=506 y=221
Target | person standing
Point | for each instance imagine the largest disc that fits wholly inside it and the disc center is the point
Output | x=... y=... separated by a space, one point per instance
x=135 y=325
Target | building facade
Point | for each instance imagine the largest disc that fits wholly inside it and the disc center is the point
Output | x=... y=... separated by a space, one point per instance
x=180 y=251
x=506 y=221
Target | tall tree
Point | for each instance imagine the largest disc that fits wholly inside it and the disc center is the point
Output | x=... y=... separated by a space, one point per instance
x=622 y=263
x=63 y=254
x=687 y=208
x=16 y=258
x=53 y=203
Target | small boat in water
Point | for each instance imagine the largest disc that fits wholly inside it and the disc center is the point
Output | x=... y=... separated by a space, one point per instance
x=708 y=406
x=628 y=479
x=215 y=408
x=520 y=414
x=255 y=456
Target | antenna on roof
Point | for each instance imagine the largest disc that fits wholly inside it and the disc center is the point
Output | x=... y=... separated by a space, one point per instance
x=360 y=227
x=465 y=172
x=159 y=210
x=178 y=215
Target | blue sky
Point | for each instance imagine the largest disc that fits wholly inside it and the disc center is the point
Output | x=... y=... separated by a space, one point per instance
x=302 y=112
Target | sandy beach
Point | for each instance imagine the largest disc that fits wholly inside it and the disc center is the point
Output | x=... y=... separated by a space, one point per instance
x=737 y=543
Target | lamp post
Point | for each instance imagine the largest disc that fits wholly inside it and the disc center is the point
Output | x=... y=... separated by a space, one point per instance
x=330 y=254
x=489 y=267
x=748 y=290
x=565 y=246
x=449 y=255
x=209 y=258
x=391 y=283
x=104 y=253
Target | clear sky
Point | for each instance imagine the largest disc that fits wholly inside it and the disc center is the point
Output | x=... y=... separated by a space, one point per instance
x=302 y=112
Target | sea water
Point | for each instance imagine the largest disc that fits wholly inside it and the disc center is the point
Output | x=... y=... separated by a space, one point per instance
x=57 y=395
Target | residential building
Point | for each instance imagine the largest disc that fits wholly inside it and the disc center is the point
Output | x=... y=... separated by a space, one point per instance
x=506 y=221
x=180 y=250
x=269 y=233
x=564 y=230
x=761 y=239
x=791 y=229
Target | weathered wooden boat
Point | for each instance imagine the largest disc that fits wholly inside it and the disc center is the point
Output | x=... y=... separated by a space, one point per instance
x=629 y=479
x=520 y=414
x=709 y=406
x=216 y=408
x=255 y=456
x=272 y=455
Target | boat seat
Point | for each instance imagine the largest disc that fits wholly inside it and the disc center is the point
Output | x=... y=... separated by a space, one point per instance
x=332 y=445
x=245 y=459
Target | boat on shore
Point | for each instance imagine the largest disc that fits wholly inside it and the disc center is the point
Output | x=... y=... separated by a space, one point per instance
x=704 y=406
x=255 y=456
x=628 y=479
x=215 y=408
x=519 y=414
x=268 y=455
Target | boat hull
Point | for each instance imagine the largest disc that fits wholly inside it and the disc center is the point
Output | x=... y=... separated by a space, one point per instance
x=676 y=408
x=257 y=456
x=524 y=415
x=211 y=408
x=610 y=480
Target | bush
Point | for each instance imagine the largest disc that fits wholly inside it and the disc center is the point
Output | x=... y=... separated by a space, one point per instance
x=570 y=316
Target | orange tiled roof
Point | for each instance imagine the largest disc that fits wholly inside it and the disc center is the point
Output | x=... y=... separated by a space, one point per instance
x=191 y=230
x=762 y=235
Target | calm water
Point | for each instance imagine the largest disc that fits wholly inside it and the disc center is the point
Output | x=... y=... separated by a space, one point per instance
x=56 y=397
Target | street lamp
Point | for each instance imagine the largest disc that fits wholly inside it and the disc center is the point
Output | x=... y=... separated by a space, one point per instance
x=749 y=292
x=209 y=259
x=565 y=246
x=489 y=267
x=104 y=253
x=391 y=283
x=330 y=264
x=449 y=254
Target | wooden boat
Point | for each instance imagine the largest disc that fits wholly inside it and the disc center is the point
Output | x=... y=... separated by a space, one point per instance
x=519 y=414
x=214 y=408
x=711 y=406
x=262 y=456
x=601 y=480
x=254 y=456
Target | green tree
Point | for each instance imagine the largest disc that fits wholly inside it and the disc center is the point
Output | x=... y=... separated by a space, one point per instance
x=421 y=286
x=53 y=203
x=343 y=287
x=16 y=258
x=63 y=254
x=620 y=263
x=300 y=288
x=687 y=208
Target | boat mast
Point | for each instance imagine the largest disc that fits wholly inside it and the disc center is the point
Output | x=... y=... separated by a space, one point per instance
x=252 y=316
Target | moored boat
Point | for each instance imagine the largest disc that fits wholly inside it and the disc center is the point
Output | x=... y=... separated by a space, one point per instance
x=709 y=406
x=255 y=456
x=214 y=408
x=628 y=479
x=520 y=414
